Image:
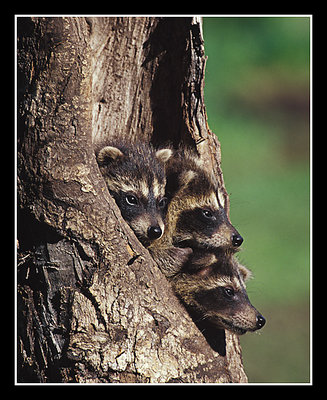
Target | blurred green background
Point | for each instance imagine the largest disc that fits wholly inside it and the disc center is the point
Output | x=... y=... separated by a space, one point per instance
x=257 y=96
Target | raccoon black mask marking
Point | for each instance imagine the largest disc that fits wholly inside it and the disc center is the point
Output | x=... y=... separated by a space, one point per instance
x=135 y=176
x=206 y=227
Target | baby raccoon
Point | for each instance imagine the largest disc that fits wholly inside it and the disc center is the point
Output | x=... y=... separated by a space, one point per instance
x=196 y=218
x=215 y=293
x=199 y=216
x=135 y=176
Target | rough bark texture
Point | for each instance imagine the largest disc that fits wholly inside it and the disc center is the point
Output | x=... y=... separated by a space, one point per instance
x=92 y=306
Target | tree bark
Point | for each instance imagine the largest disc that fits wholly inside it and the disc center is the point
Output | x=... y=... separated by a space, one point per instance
x=92 y=306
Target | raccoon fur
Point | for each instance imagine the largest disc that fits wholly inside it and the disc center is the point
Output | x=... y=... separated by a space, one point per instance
x=215 y=293
x=196 y=218
x=135 y=176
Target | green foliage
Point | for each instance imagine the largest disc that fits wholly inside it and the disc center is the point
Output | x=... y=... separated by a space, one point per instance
x=257 y=89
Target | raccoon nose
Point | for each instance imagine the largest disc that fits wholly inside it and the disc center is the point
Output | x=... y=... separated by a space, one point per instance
x=260 y=321
x=154 y=232
x=237 y=240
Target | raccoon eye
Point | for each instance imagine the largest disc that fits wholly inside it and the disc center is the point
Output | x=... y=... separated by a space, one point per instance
x=163 y=202
x=229 y=292
x=131 y=200
x=207 y=214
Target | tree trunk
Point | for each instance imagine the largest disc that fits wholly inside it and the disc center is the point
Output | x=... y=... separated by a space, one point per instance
x=92 y=305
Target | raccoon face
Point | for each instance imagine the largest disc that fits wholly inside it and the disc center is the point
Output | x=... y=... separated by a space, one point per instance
x=144 y=214
x=197 y=206
x=227 y=306
x=206 y=227
x=135 y=177
x=216 y=293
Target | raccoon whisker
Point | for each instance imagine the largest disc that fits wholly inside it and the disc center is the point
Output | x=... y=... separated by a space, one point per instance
x=201 y=318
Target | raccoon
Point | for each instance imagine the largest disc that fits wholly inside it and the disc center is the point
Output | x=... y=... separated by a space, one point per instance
x=135 y=176
x=215 y=293
x=199 y=217
x=196 y=218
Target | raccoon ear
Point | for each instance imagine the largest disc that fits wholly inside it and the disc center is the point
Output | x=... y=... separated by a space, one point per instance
x=164 y=155
x=185 y=177
x=108 y=154
x=202 y=263
x=245 y=272
x=205 y=271
x=177 y=181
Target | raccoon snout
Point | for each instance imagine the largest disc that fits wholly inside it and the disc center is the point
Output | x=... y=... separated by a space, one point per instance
x=154 y=232
x=260 y=321
x=237 y=240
